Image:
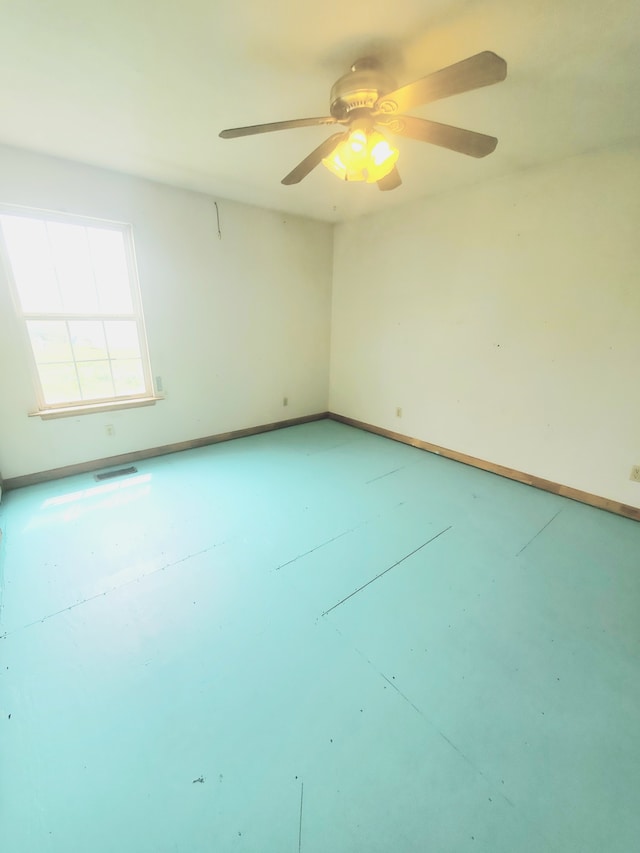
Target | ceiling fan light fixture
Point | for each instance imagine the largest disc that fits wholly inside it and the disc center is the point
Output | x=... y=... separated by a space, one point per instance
x=364 y=156
x=367 y=96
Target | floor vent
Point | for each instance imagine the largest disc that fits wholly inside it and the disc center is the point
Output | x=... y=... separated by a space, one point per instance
x=119 y=472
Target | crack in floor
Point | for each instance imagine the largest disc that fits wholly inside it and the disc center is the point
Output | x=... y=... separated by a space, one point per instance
x=544 y=527
x=406 y=557
x=105 y=592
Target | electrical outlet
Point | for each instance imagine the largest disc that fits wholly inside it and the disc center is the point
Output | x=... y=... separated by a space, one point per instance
x=398 y=412
x=635 y=474
x=285 y=401
x=159 y=385
x=110 y=429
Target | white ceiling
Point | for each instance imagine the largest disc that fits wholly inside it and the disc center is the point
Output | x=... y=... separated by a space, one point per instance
x=144 y=86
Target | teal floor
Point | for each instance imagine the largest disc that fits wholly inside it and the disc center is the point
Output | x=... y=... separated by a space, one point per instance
x=316 y=640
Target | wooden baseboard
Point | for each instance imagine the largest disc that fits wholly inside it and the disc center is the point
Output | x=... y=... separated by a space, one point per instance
x=502 y=471
x=138 y=455
x=510 y=473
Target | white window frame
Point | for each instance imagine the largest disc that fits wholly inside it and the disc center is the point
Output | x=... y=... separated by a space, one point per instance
x=70 y=408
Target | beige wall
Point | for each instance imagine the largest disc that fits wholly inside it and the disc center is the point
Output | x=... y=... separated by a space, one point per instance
x=504 y=319
x=233 y=324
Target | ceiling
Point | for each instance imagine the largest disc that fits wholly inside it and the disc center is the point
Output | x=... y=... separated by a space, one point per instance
x=144 y=87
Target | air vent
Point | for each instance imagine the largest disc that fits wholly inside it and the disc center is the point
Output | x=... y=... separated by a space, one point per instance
x=118 y=472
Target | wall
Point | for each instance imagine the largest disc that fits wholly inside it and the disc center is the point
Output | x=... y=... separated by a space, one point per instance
x=233 y=324
x=504 y=319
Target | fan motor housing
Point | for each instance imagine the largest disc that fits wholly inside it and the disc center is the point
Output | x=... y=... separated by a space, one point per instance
x=359 y=88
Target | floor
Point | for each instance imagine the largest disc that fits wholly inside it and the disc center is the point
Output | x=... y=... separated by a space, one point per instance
x=316 y=640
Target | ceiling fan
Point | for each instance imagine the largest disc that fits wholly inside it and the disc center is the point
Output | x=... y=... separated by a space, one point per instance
x=366 y=97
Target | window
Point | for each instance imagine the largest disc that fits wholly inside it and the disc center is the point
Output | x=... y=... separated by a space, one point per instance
x=76 y=289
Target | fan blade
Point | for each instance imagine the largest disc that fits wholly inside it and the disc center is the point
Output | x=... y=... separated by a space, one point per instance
x=312 y=160
x=234 y=132
x=483 y=69
x=390 y=181
x=455 y=138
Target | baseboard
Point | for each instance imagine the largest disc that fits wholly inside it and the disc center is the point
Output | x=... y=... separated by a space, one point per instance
x=138 y=455
x=510 y=473
x=502 y=471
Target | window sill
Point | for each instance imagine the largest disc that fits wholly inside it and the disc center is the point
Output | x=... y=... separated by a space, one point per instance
x=91 y=408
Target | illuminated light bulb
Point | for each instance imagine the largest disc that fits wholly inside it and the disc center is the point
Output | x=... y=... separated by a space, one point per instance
x=381 y=152
x=364 y=156
x=358 y=141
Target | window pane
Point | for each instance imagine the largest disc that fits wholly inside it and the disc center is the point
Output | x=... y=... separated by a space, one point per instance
x=128 y=376
x=31 y=263
x=59 y=383
x=111 y=271
x=87 y=337
x=75 y=282
x=73 y=265
x=122 y=338
x=95 y=379
x=50 y=340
